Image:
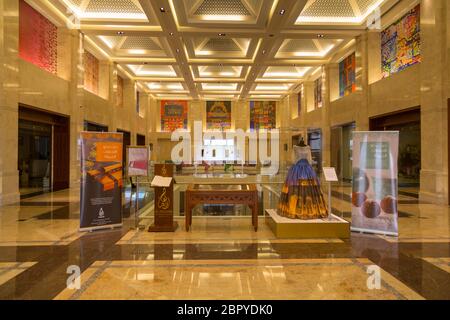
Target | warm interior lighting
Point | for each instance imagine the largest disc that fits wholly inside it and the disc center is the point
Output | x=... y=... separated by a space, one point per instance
x=266 y=96
x=136 y=51
x=80 y=14
x=354 y=20
x=203 y=53
x=219 y=86
x=106 y=41
x=267 y=87
x=319 y=54
x=210 y=17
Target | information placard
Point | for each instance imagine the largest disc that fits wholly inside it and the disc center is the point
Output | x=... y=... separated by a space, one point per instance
x=137 y=161
x=330 y=174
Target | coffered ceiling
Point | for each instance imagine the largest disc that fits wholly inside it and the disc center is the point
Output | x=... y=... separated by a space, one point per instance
x=217 y=49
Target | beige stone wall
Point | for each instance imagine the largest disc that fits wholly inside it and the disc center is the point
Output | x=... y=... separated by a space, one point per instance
x=24 y=83
x=425 y=85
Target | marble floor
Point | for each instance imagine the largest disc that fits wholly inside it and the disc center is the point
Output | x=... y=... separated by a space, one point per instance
x=221 y=258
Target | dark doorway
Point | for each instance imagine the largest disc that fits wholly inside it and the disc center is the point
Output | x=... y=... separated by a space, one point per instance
x=140 y=139
x=126 y=142
x=43 y=151
x=341 y=145
x=409 y=157
x=315 y=142
x=94 y=127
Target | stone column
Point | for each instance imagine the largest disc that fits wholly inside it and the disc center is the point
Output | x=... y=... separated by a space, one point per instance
x=325 y=119
x=9 y=99
x=362 y=81
x=433 y=100
x=76 y=94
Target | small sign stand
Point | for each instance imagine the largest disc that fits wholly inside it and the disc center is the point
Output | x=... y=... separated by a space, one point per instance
x=137 y=166
x=330 y=176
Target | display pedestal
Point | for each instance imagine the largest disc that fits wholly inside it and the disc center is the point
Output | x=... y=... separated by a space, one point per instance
x=164 y=202
x=333 y=227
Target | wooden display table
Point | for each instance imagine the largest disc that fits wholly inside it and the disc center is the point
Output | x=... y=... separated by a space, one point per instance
x=245 y=194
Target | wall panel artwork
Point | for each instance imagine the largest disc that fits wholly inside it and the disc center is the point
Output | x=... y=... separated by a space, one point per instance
x=347 y=72
x=318 y=102
x=218 y=115
x=38 y=39
x=91 y=72
x=174 y=115
x=138 y=102
x=263 y=115
x=119 y=97
x=299 y=101
x=400 y=43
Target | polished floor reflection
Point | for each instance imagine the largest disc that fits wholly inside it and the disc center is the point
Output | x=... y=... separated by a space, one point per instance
x=221 y=258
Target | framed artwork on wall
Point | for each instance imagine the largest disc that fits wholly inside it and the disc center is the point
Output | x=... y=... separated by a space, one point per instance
x=263 y=115
x=400 y=43
x=173 y=115
x=318 y=103
x=218 y=115
x=347 y=75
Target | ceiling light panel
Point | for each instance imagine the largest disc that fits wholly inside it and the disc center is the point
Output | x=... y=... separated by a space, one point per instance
x=221 y=8
x=106 y=9
x=266 y=96
x=152 y=71
x=219 y=71
x=165 y=86
x=337 y=11
x=307 y=48
x=273 y=87
x=220 y=86
x=286 y=72
x=221 y=47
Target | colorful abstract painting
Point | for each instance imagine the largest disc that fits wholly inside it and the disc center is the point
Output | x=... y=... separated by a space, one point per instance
x=347 y=71
x=91 y=72
x=218 y=115
x=263 y=115
x=400 y=43
x=38 y=39
x=174 y=115
x=318 y=103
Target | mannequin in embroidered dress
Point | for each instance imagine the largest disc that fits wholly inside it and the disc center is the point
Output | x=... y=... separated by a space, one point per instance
x=301 y=197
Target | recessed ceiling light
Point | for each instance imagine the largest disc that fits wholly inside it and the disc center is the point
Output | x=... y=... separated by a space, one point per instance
x=264 y=51
x=171 y=33
x=282 y=12
x=320 y=35
x=178 y=50
x=162 y=9
x=120 y=33
x=222 y=34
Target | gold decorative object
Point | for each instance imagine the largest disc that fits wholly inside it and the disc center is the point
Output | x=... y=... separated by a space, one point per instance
x=163 y=200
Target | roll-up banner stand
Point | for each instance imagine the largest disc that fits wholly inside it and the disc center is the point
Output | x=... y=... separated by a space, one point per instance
x=101 y=180
x=375 y=182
